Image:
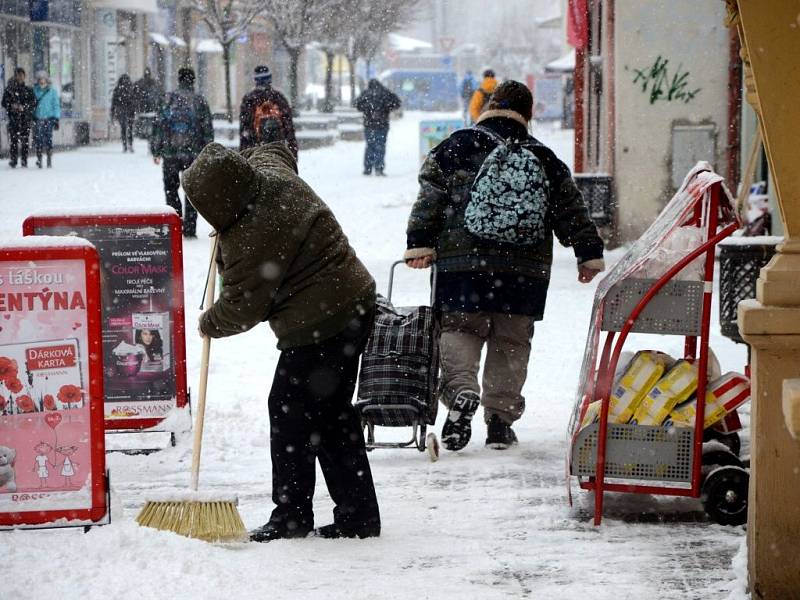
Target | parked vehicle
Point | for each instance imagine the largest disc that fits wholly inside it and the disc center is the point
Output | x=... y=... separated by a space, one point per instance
x=424 y=89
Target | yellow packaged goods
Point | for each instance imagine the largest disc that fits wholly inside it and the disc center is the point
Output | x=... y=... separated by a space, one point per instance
x=641 y=374
x=724 y=395
x=592 y=413
x=675 y=387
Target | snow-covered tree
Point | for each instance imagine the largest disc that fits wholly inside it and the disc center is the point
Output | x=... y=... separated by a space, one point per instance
x=332 y=37
x=368 y=27
x=297 y=23
x=226 y=20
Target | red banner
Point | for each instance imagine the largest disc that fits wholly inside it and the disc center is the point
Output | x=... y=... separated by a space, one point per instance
x=578 y=24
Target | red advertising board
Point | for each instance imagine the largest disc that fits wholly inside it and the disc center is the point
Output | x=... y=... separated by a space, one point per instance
x=52 y=440
x=144 y=343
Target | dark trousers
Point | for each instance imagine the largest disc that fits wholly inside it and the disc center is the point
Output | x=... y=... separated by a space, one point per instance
x=376 y=148
x=43 y=136
x=311 y=417
x=19 y=133
x=172 y=170
x=126 y=131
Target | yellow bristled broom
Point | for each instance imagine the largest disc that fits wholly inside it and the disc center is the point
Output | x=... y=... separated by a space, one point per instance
x=211 y=518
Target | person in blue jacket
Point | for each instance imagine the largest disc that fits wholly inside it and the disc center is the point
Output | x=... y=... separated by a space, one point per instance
x=46 y=116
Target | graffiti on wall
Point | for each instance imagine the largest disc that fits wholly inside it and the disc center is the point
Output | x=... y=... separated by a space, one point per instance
x=656 y=81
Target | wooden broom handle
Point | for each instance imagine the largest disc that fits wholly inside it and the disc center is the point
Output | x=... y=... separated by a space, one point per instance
x=202 y=387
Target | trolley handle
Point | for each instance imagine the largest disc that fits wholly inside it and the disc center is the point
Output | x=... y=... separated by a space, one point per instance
x=434 y=273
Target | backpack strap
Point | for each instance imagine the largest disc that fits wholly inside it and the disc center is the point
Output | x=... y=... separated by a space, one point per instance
x=492 y=134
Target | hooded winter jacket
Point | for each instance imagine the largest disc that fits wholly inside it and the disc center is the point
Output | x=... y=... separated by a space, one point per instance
x=376 y=103
x=247 y=114
x=19 y=101
x=183 y=125
x=283 y=256
x=477 y=275
x=481 y=97
x=48 y=104
x=123 y=100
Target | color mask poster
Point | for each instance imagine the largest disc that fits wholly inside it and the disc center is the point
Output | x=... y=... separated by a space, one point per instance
x=144 y=364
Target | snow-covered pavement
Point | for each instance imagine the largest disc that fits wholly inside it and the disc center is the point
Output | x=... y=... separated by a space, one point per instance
x=479 y=524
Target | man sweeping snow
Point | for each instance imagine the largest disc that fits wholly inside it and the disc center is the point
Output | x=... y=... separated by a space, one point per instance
x=283 y=258
x=491 y=197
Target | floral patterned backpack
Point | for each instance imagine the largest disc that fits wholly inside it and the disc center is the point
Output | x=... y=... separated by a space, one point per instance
x=508 y=199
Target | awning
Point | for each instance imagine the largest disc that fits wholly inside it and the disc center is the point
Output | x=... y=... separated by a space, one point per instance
x=158 y=39
x=404 y=43
x=207 y=46
x=565 y=64
x=134 y=6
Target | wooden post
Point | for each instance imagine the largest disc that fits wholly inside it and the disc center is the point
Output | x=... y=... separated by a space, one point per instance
x=770 y=36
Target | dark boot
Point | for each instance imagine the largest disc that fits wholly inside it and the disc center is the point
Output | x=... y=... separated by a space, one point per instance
x=49 y=159
x=272 y=531
x=39 y=159
x=12 y=164
x=458 y=427
x=499 y=434
x=334 y=531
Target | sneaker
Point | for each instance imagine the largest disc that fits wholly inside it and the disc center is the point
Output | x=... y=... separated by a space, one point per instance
x=458 y=427
x=271 y=531
x=334 y=531
x=499 y=434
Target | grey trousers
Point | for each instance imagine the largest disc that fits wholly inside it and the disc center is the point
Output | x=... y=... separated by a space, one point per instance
x=508 y=347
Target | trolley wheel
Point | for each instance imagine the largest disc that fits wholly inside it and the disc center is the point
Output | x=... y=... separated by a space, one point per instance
x=432 y=446
x=731 y=440
x=724 y=495
x=714 y=456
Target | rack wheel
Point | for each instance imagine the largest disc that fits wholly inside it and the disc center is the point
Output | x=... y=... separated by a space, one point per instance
x=724 y=495
x=717 y=456
x=432 y=446
x=731 y=440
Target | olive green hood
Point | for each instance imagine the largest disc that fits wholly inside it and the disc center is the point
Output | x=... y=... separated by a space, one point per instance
x=222 y=184
x=219 y=184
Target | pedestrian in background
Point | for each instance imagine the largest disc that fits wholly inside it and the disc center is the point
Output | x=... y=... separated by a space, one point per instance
x=147 y=93
x=182 y=129
x=491 y=197
x=123 y=110
x=376 y=103
x=265 y=115
x=468 y=85
x=18 y=102
x=46 y=117
x=481 y=96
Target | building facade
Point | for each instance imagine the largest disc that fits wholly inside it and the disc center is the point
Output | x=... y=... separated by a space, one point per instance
x=657 y=88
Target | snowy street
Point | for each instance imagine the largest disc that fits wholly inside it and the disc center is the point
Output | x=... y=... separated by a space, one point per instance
x=478 y=524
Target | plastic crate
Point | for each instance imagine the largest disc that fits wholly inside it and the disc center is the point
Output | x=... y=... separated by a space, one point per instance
x=637 y=452
x=739 y=267
x=677 y=309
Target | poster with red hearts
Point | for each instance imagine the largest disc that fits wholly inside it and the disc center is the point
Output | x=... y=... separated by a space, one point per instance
x=52 y=461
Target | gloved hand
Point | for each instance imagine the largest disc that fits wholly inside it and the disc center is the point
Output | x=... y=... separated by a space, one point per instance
x=419 y=258
x=589 y=269
x=56 y=124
